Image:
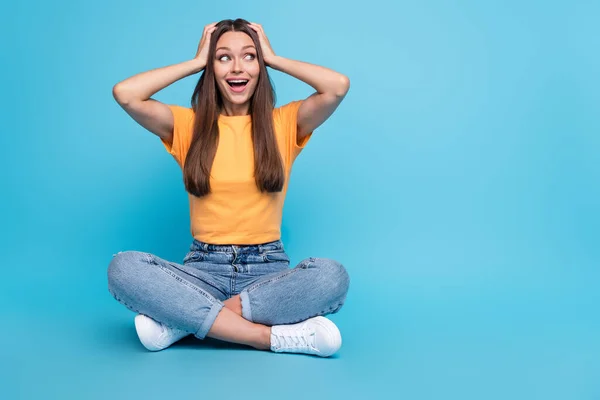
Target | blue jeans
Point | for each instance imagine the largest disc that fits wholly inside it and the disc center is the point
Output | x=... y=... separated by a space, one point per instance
x=189 y=296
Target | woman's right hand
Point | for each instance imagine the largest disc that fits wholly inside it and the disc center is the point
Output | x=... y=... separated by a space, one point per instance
x=202 y=53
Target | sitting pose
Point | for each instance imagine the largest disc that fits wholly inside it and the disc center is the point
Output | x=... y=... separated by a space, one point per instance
x=236 y=152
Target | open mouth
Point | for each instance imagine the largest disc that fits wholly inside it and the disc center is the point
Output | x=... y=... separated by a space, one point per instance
x=237 y=85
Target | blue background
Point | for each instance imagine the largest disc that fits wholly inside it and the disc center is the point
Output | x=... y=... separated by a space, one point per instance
x=458 y=183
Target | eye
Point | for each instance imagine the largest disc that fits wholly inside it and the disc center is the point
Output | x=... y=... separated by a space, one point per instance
x=223 y=57
x=250 y=56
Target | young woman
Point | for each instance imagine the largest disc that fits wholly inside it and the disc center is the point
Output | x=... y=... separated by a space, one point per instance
x=236 y=152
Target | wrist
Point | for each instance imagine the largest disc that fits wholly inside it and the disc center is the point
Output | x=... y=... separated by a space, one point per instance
x=197 y=65
x=274 y=62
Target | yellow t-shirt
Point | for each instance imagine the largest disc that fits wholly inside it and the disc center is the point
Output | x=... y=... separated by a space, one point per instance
x=236 y=212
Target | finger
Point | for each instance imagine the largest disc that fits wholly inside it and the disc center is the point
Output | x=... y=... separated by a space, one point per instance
x=208 y=33
x=258 y=30
x=261 y=30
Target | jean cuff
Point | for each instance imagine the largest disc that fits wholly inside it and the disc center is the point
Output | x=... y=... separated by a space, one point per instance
x=246 y=312
x=209 y=320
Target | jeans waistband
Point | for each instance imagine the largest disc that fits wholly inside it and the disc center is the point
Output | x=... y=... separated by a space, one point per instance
x=232 y=248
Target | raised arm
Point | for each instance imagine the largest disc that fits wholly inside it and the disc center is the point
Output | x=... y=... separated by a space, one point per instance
x=133 y=94
x=331 y=86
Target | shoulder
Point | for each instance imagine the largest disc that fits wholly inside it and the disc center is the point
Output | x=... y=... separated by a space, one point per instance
x=287 y=112
x=289 y=108
x=180 y=113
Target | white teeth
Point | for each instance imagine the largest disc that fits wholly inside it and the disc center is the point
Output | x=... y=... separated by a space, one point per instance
x=238 y=81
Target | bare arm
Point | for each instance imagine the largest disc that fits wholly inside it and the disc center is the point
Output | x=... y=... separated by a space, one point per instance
x=331 y=86
x=133 y=94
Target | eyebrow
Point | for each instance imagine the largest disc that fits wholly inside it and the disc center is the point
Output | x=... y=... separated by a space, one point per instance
x=227 y=48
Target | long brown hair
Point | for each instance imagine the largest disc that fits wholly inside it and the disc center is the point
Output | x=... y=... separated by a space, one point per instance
x=207 y=104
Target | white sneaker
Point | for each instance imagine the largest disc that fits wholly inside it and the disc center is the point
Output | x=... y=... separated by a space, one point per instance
x=154 y=335
x=318 y=336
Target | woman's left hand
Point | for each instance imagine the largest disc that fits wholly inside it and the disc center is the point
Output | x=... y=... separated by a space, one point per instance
x=267 y=51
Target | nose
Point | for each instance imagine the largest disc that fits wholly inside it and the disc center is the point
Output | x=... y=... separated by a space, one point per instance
x=236 y=65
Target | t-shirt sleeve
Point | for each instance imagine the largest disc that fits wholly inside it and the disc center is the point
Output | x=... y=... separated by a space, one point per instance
x=288 y=115
x=183 y=124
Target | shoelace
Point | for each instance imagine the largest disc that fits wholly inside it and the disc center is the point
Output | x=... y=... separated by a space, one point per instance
x=291 y=338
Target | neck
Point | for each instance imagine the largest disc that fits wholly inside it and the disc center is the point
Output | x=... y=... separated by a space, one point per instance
x=233 y=110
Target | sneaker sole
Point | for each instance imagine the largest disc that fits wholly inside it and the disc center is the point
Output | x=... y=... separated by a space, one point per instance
x=333 y=331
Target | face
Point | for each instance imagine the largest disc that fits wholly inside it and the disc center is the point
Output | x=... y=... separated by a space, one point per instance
x=236 y=68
